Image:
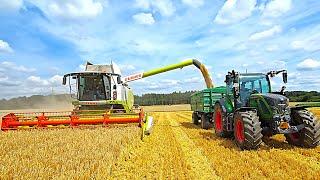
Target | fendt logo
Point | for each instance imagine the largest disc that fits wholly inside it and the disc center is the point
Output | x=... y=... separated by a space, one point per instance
x=133 y=77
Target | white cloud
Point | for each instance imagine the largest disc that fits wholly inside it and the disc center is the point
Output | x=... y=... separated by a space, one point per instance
x=309 y=43
x=71 y=10
x=276 y=8
x=235 y=11
x=127 y=67
x=309 y=64
x=272 y=48
x=194 y=3
x=10 y=5
x=164 y=7
x=193 y=80
x=144 y=4
x=12 y=66
x=82 y=67
x=36 y=80
x=54 y=81
x=144 y=18
x=5 y=47
x=265 y=34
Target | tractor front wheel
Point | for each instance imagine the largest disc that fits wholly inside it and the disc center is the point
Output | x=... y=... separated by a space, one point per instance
x=195 y=119
x=309 y=136
x=247 y=130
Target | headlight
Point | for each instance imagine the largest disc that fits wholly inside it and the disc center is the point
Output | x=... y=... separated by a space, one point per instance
x=275 y=110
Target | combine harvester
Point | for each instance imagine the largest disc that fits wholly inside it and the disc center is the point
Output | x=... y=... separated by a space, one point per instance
x=101 y=96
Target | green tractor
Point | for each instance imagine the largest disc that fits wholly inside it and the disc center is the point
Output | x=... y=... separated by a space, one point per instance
x=249 y=110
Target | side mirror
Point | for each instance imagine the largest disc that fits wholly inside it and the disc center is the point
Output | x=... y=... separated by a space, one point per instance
x=227 y=78
x=119 y=80
x=285 y=77
x=64 y=80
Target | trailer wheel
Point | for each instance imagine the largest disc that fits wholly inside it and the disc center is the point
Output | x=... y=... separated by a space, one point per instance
x=247 y=130
x=309 y=136
x=195 y=119
x=219 y=121
x=205 y=124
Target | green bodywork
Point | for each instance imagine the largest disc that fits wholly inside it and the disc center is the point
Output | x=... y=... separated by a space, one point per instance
x=258 y=102
x=203 y=101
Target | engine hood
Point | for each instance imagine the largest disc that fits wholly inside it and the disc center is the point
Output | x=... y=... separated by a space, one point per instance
x=276 y=99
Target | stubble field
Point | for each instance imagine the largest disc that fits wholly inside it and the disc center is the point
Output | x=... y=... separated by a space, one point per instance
x=177 y=149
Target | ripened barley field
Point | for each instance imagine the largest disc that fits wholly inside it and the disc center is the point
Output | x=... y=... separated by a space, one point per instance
x=176 y=149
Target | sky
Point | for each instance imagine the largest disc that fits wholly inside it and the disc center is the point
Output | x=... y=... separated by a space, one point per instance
x=41 y=40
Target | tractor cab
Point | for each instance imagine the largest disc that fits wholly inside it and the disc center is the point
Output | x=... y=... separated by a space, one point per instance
x=244 y=86
x=252 y=84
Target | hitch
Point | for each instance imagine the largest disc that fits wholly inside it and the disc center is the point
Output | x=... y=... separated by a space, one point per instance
x=290 y=130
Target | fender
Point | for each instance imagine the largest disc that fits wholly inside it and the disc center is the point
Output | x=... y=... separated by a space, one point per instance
x=228 y=117
x=226 y=107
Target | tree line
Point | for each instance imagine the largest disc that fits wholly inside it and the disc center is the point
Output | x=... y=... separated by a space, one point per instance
x=64 y=100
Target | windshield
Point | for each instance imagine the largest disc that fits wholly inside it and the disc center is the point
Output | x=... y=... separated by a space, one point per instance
x=253 y=84
x=91 y=88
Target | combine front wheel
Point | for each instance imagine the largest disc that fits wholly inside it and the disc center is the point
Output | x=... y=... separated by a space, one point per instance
x=310 y=135
x=247 y=130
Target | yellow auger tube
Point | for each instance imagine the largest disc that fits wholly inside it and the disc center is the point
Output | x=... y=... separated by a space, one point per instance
x=194 y=62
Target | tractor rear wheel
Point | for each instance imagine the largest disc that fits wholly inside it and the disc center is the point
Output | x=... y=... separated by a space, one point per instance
x=205 y=124
x=220 y=122
x=309 y=136
x=195 y=119
x=247 y=130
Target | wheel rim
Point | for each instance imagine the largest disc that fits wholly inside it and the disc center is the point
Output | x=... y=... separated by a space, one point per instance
x=239 y=131
x=295 y=136
x=218 y=121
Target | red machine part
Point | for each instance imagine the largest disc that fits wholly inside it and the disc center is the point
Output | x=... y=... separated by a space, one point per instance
x=14 y=120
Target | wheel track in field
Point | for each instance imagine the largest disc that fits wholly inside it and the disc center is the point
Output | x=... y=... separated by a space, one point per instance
x=198 y=164
x=167 y=153
x=159 y=156
x=266 y=162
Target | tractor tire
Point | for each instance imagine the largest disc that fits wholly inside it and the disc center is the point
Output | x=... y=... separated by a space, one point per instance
x=205 y=124
x=220 y=122
x=195 y=119
x=247 y=130
x=308 y=137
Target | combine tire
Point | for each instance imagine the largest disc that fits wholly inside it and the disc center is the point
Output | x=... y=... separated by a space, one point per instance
x=220 y=123
x=309 y=136
x=205 y=124
x=195 y=119
x=247 y=130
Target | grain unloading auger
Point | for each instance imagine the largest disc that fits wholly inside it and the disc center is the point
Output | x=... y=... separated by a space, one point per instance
x=101 y=96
